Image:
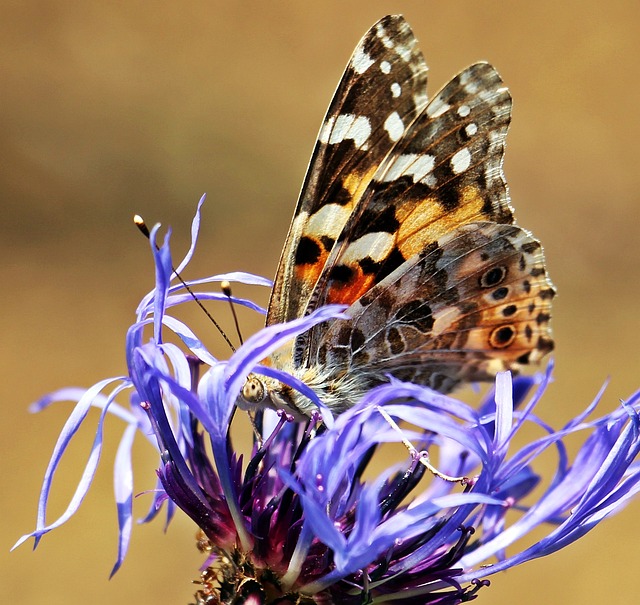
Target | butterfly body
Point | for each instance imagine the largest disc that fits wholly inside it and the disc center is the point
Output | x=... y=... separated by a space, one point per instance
x=405 y=217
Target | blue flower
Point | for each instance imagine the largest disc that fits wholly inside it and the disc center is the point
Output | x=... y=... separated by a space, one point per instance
x=328 y=511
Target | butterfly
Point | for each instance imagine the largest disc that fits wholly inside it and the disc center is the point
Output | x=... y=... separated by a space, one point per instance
x=405 y=217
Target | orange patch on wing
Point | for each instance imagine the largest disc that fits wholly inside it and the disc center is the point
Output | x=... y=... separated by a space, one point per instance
x=471 y=196
x=429 y=220
x=356 y=183
x=348 y=293
x=309 y=273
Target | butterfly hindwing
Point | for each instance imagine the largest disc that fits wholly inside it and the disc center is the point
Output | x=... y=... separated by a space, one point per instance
x=385 y=80
x=475 y=302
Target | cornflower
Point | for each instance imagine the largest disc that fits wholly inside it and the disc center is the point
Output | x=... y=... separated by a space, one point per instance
x=310 y=517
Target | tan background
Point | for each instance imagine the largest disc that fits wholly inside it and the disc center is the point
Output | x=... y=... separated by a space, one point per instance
x=141 y=107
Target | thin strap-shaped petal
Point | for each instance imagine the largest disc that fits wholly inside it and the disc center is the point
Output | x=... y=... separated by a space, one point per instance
x=195 y=230
x=146 y=304
x=583 y=479
x=180 y=299
x=242 y=277
x=71 y=426
x=163 y=264
x=66 y=394
x=504 y=412
x=159 y=498
x=188 y=337
x=123 y=491
x=99 y=401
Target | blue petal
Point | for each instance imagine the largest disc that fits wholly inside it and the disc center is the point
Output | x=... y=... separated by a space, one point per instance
x=504 y=412
x=586 y=493
x=162 y=258
x=195 y=229
x=123 y=489
x=70 y=428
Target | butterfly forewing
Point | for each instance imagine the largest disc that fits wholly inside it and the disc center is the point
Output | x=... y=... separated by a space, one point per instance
x=445 y=170
x=384 y=82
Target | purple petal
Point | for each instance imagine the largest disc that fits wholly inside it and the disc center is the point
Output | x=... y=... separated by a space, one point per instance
x=123 y=490
x=195 y=230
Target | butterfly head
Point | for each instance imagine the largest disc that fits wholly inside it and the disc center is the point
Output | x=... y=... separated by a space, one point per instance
x=267 y=393
x=253 y=392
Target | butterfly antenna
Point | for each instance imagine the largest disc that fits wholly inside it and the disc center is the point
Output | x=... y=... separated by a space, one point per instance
x=139 y=222
x=226 y=290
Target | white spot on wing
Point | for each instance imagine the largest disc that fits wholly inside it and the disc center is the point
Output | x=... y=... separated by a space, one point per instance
x=471 y=129
x=328 y=220
x=469 y=81
x=377 y=246
x=496 y=138
x=396 y=90
x=437 y=107
x=361 y=61
x=404 y=52
x=464 y=111
x=460 y=161
x=385 y=67
x=345 y=126
x=444 y=319
x=394 y=126
x=386 y=41
x=415 y=165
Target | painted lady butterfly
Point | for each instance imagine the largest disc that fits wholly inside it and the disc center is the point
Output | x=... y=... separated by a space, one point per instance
x=404 y=215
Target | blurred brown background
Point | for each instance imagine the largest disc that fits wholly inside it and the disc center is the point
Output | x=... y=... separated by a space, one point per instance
x=140 y=107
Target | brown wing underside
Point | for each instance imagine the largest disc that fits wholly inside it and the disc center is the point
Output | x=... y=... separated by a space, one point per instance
x=351 y=145
x=405 y=216
x=476 y=302
x=444 y=171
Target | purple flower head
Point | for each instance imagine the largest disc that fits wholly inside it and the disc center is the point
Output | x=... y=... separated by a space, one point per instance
x=410 y=495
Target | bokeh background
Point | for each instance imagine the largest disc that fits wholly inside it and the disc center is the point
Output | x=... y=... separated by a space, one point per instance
x=107 y=109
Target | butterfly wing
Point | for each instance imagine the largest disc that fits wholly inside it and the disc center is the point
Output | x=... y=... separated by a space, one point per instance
x=475 y=302
x=405 y=216
x=386 y=79
x=445 y=170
